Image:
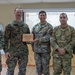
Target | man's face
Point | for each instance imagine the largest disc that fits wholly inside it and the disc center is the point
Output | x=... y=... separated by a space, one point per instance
x=63 y=19
x=42 y=17
x=18 y=13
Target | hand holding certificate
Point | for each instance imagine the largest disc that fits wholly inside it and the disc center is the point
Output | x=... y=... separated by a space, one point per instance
x=27 y=38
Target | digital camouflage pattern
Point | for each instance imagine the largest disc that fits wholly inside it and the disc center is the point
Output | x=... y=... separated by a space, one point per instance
x=62 y=38
x=42 y=48
x=13 y=44
x=1 y=46
x=60 y=63
x=43 y=33
x=1 y=39
x=42 y=63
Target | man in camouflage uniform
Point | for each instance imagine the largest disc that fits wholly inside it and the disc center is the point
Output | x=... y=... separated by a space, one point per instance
x=1 y=46
x=63 y=39
x=15 y=49
x=41 y=46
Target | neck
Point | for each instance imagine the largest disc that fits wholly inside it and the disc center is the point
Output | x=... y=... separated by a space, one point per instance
x=18 y=20
x=64 y=25
x=43 y=22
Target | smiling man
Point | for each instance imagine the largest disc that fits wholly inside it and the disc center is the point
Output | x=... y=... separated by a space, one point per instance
x=42 y=32
x=63 y=39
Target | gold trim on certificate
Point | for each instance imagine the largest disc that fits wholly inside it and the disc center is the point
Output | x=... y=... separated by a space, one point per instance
x=27 y=38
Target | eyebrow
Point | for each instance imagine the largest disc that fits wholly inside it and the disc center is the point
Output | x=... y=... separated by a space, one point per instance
x=63 y=17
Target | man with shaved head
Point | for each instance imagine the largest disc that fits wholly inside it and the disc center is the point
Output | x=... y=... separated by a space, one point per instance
x=63 y=40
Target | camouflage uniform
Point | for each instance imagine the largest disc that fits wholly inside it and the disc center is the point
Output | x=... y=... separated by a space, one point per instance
x=62 y=38
x=18 y=50
x=42 y=49
x=1 y=46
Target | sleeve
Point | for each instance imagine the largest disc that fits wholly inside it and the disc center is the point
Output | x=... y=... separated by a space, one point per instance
x=47 y=36
x=32 y=43
x=7 y=38
x=1 y=39
x=28 y=30
x=70 y=46
x=53 y=40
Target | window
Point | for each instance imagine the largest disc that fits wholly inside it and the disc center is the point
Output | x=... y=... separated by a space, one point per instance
x=31 y=16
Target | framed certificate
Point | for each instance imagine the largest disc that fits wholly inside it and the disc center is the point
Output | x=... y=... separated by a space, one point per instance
x=27 y=38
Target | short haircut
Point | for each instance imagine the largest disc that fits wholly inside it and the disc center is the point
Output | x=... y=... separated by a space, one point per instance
x=18 y=8
x=42 y=12
x=64 y=14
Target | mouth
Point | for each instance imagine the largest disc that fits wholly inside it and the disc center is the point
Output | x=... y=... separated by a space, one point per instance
x=62 y=21
x=18 y=15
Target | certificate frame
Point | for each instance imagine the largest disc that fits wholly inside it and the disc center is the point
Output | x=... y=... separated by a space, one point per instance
x=27 y=38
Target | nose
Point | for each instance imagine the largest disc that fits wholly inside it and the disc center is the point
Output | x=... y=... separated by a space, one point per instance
x=19 y=13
